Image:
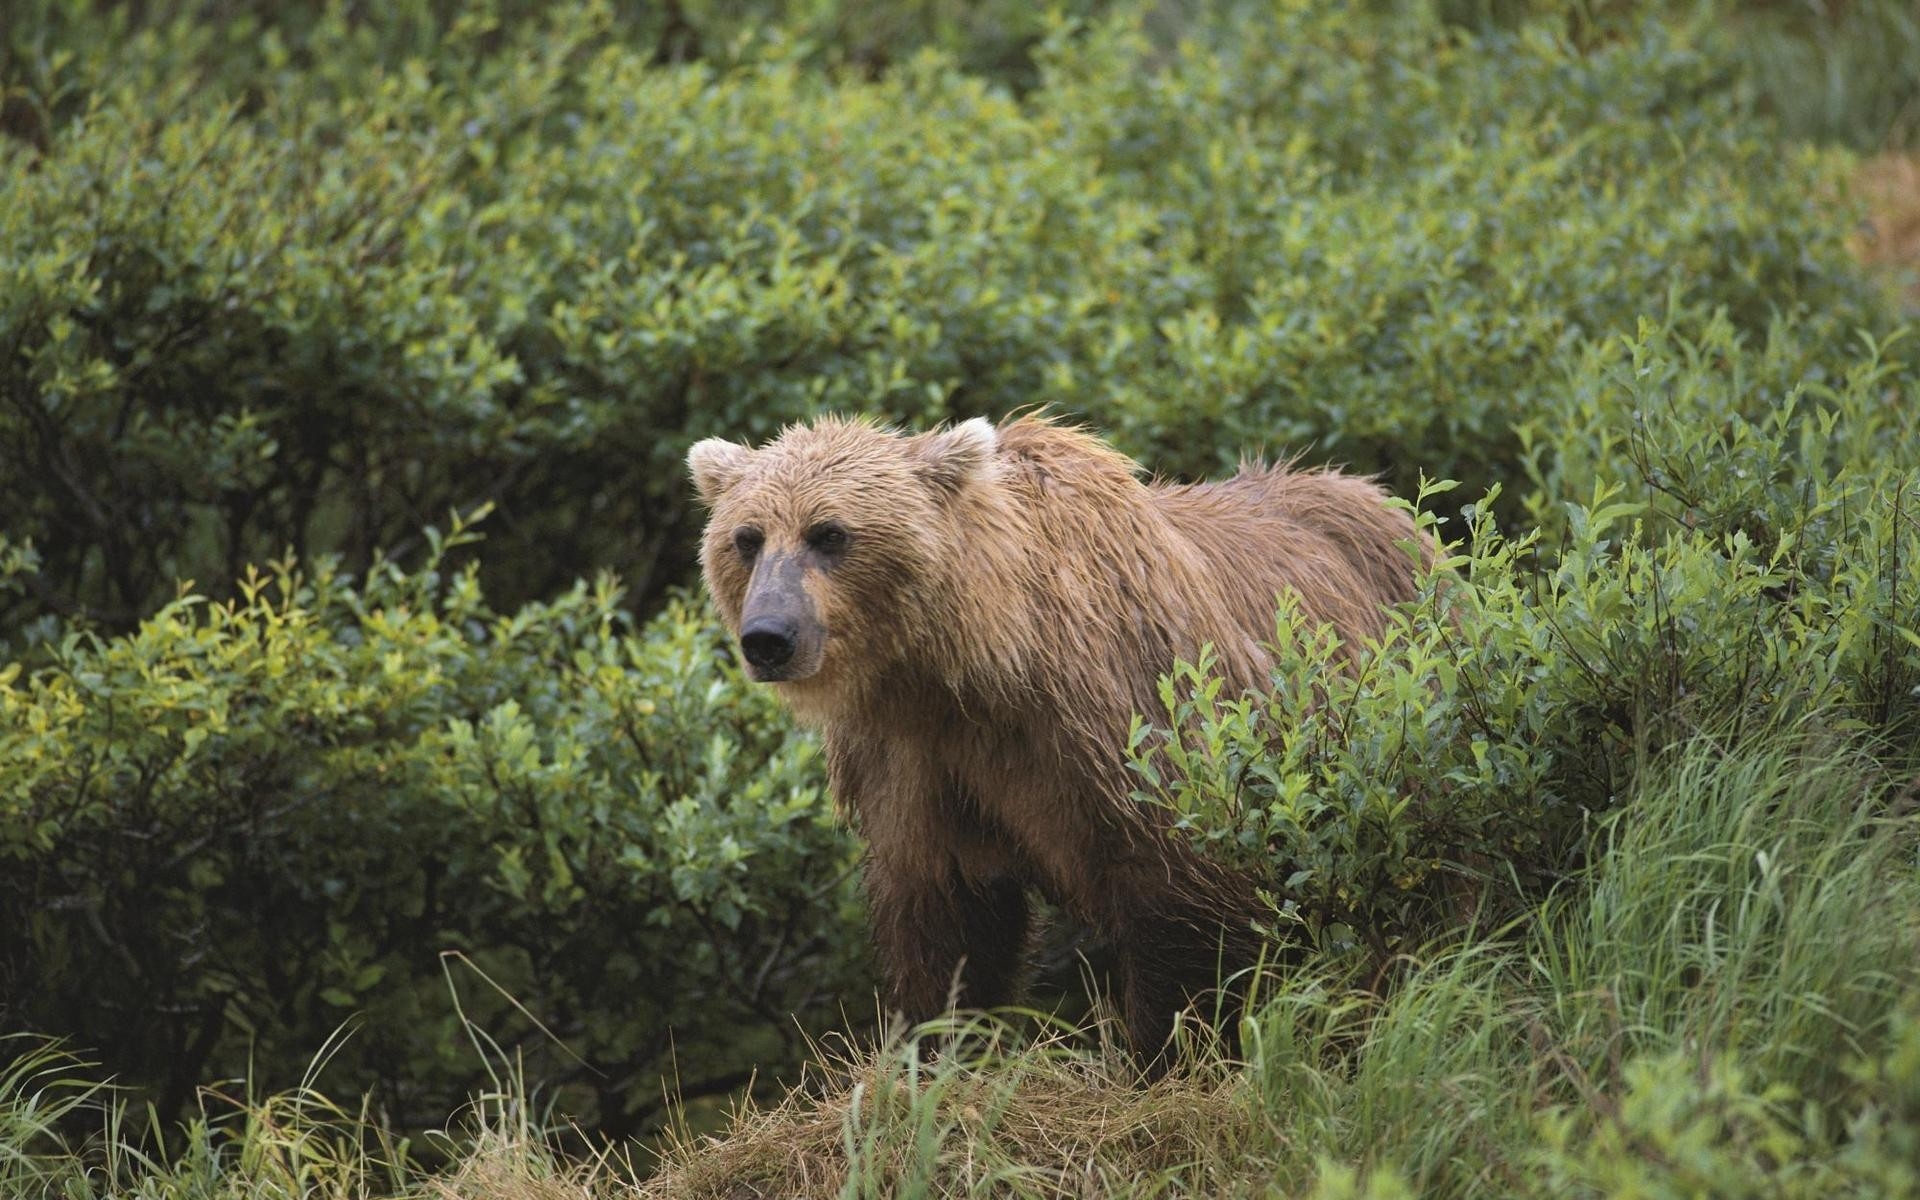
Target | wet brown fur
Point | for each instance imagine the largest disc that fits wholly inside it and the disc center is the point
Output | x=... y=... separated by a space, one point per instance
x=1004 y=608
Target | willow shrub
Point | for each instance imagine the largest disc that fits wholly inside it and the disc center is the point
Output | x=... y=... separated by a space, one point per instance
x=309 y=298
x=389 y=807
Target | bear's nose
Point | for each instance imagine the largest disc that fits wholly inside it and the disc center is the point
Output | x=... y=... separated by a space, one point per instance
x=767 y=643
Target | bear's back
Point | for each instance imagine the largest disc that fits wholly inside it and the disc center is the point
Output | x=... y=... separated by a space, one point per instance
x=1298 y=524
x=1163 y=568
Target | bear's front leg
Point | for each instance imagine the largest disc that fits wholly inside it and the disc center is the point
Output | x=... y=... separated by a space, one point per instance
x=946 y=902
x=1165 y=968
x=1185 y=952
x=945 y=942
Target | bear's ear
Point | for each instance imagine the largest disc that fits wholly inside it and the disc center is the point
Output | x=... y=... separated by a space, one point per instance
x=717 y=465
x=952 y=458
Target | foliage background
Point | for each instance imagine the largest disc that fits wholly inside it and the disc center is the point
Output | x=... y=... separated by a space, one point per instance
x=298 y=303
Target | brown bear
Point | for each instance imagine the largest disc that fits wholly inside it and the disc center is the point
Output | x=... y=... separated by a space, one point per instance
x=972 y=617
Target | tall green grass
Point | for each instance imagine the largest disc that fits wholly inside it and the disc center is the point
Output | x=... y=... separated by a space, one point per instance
x=1753 y=903
x=63 y=1137
x=1845 y=71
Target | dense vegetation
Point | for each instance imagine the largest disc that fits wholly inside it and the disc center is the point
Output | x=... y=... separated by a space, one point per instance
x=357 y=731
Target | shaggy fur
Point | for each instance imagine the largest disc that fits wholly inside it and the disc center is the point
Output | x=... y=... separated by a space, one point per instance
x=974 y=645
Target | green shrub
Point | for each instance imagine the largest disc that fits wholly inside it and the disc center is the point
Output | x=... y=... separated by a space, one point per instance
x=309 y=303
x=310 y=321
x=1690 y=1128
x=1388 y=234
x=388 y=806
x=240 y=44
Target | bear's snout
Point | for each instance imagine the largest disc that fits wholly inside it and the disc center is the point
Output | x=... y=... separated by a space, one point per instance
x=768 y=643
x=781 y=635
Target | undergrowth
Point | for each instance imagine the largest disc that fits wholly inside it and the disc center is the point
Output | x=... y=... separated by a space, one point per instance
x=1725 y=1002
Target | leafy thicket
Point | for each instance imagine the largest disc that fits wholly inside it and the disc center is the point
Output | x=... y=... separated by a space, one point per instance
x=245 y=823
x=1684 y=1022
x=278 y=292
x=317 y=312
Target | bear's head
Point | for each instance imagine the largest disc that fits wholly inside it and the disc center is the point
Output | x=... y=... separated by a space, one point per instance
x=826 y=547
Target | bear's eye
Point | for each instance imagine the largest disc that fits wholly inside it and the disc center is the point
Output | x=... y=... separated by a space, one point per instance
x=747 y=541
x=828 y=538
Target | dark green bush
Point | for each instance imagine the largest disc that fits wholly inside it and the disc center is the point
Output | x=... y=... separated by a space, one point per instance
x=244 y=823
x=1388 y=235
x=314 y=320
x=311 y=306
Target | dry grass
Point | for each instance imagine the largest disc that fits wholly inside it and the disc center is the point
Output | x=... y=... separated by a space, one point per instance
x=1889 y=184
x=1038 y=1121
x=501 y=1168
